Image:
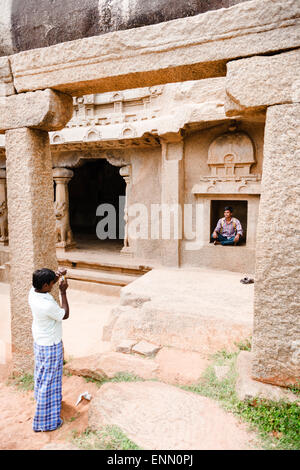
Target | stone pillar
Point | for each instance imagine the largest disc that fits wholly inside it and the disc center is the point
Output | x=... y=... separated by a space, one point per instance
x=3 y=210
x=172 y=183
x=125 y=172
x=26 y=119
x=63 y=233
x=31 y=228
x=276 y=334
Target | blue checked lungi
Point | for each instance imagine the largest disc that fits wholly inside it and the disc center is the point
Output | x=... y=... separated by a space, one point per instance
x=48 y=386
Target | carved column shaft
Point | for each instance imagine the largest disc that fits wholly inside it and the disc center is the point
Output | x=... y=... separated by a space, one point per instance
x=3 y=209
x=64 y=235
x=125 y=172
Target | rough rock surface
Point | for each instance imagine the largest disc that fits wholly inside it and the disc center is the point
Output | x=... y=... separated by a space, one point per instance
x=276 y=333
x=125 y=346
x=199 y=316
x=160 y=416
x=107 y=365
x=247 y=388
x=145 y=348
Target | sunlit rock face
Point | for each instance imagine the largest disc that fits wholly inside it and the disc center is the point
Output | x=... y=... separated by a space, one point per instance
x=31 y=24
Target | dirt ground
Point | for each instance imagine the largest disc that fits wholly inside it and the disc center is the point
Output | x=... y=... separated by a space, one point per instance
x=82 y=334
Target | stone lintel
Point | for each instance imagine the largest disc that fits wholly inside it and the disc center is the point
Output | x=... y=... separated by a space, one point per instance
x=261 y=81
x=44 y=110
x=183 y=49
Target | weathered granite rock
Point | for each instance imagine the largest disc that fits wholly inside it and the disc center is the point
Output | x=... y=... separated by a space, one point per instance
x=125 y=346
x=262 y=81
x=276 y=332
x=183 y=49
x=247 y=388
x=107 y=365
x=159 y=416
x=145 y=348
x=196 y=316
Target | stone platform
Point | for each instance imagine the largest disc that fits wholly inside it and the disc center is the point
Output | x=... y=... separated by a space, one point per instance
x=201 y=310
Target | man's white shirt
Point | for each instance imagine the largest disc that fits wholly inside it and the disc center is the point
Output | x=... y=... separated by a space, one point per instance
x=47 y=318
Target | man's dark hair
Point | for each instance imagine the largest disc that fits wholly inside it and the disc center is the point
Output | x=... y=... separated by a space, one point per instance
x=41 y=277
x=228 y=208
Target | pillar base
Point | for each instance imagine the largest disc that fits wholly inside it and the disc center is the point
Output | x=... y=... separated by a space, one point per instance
x=126 y=250
x=62 y=248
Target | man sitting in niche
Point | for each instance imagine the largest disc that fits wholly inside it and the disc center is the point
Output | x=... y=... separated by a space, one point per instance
x=228 y=230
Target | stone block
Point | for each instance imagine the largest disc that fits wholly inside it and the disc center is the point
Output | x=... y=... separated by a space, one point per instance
x=145 y=348
x=45 y=110
x=247 y=388
x=258 y=82
x=125 y=346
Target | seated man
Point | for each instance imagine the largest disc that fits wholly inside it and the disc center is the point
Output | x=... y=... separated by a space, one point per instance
x=228 y=230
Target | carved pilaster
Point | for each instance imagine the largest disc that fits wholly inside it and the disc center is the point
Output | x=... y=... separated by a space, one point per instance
x=63 y=233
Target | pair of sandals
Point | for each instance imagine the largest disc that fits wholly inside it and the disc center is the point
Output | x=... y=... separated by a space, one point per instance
x=247 y=280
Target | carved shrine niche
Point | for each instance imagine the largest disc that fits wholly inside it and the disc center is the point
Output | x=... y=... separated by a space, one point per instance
x=230 y=157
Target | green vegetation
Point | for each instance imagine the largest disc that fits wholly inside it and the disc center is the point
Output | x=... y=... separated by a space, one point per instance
x=120 y=377
x=22 y=382
x=107 y=438
x=277 y=423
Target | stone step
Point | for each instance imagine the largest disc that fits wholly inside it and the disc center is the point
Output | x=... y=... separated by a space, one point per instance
x=122 y=267
x=101 y=277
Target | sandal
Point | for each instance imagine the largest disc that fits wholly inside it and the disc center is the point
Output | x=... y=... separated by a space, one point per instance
x=247 y=280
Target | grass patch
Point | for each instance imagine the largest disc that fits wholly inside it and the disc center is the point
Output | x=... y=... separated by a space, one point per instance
x=23 y=382
x=277 y=423
x=244 y=345
x=107 y=438
x=119 y=377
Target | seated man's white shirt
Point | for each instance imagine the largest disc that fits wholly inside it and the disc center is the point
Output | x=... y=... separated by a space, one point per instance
x=47 y=318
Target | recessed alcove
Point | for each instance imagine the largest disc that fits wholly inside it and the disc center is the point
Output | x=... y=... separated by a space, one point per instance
x=240 y=212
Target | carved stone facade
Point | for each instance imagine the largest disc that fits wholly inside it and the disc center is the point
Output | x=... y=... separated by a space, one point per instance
x=242 y=61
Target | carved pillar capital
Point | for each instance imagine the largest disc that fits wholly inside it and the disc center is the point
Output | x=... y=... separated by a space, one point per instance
x=62 y=175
